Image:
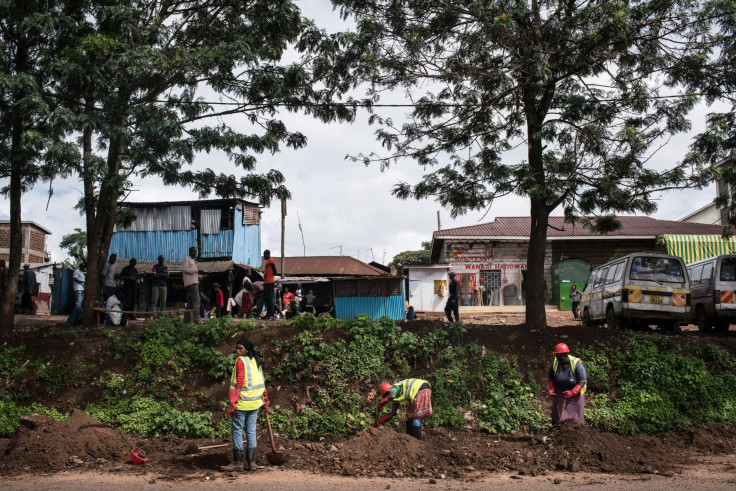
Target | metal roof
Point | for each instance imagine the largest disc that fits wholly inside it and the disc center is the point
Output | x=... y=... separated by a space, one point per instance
x=326 y=266
x=197 y=202
x=631 y=226
x=146 y=266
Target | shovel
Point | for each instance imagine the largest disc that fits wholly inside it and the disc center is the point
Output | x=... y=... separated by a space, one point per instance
x=275 y=457
x=194 y=448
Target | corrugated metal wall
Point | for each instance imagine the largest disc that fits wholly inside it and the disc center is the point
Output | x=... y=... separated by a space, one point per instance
x=148 y=245
x=374 y=307
x=220 y=245
x=247 y=242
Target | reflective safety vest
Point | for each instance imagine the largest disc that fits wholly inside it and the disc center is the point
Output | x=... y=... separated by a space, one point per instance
x=251 y=394
x=406 y=390
x=573 y=363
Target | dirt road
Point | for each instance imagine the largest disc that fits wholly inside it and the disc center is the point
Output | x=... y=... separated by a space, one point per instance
x=712 y=474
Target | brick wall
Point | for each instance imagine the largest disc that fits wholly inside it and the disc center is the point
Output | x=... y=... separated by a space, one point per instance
x=37 y=251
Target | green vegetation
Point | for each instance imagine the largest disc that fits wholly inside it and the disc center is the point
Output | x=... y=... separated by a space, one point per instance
x=648 y=386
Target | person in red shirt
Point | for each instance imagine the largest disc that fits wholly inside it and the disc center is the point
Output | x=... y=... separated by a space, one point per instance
x=219 y=301
x=269 y=282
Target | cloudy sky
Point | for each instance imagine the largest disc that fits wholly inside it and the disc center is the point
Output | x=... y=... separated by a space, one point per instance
x=342 y=205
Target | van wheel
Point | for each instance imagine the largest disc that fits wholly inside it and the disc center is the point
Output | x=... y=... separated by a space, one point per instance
x=722 y=326
x=612 y=320
x=587 y=322
x=701 y=318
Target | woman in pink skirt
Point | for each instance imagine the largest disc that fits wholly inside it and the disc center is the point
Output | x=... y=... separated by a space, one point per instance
x=567 y=384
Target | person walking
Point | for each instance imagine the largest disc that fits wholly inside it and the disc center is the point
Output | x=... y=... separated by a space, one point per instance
x=575 y=297
x=247 y=396
x=158 y=289
x=269 y=283
x=129 y=275
x=567 y=384
x=108 y=277
x=191 y=276
x=28 y=286
x=243 y=300
x=452 y=300
x=218 y=301
x=78 y=279
x=414 y=393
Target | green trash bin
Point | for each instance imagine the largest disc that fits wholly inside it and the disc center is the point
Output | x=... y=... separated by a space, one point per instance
x=566 y=273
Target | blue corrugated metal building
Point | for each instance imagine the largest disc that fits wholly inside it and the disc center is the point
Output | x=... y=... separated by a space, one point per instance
x=219 y=229
x=375 y=297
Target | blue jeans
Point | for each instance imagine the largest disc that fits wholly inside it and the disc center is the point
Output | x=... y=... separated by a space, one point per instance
x=77 y=312
x=247 y=418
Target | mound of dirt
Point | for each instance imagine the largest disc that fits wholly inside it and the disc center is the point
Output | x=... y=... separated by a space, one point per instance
x=42 y=444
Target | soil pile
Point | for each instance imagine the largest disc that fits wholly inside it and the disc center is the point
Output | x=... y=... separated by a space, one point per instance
x=45 y=445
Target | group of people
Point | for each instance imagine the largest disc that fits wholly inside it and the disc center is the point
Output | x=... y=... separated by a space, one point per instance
x=567 y=382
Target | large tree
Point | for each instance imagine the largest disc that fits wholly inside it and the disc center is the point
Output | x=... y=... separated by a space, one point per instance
x=581 y=84
x=154 y=84
x=32 y=124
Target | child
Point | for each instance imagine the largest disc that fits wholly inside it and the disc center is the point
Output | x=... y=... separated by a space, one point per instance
x=219 y=300
x=410 y=314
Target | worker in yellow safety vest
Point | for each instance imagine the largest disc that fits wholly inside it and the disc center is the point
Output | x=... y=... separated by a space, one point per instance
x=414 y=393
x=247 y=395
x=567 y=384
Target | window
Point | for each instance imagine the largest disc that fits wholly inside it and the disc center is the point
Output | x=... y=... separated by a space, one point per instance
x=728 y=269
x=600 y=276
x=611 y=273
x=695 y=275
x=657 y=268
x=619 y=271
x=707 y=273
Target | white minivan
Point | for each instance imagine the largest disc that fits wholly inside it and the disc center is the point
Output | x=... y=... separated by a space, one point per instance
x=713 y=282
x=638 y=290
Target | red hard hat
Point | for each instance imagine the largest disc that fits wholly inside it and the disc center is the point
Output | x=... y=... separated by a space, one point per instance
x=385 y=388
x=138 y=456
x=561 y=348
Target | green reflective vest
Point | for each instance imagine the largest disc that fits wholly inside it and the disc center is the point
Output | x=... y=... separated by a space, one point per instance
x=251 y=394
x=406 y=390
x=573 y=363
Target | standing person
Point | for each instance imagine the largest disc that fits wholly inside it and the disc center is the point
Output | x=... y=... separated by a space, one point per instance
x=3 y=275
x=78 y=279
x=575 y=297
x=287 y=299
x=452 y=299
x=414 y=392
x=478 y=299
x=309 y=299
x=298 y=298
x=158 y=289
x=567 y=384
x=129 y=275
x=108 y=276
x=269 y=282
x=28 y=285
x=191 y=276
x=247 y=395
x=219 y=300
x=258 y=297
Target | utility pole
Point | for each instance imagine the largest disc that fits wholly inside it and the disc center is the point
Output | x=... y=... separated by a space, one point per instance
x=372 y=255
x=384 y=257
x=337 y=247
x=302 y=231
x=283 y=231
x=439 y=225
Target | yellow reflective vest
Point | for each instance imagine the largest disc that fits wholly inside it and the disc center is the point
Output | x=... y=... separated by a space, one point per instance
x=573 y=363
x=406 y=390
x=251 y=394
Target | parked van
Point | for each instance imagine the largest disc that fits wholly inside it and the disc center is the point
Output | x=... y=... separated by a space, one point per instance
x=713 y=282
x=637 y=290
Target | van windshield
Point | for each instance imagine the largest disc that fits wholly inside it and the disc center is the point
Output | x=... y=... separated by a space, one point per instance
x=659 y=269
x=728 y=269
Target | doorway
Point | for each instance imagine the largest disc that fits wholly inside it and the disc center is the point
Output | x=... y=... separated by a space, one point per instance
x=492 y=283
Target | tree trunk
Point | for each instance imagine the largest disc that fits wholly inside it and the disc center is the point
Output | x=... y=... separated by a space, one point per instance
x=7 y=299
x=536 y=291
x=99 y=230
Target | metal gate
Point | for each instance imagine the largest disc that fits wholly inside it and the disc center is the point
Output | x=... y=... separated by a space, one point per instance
x=491 y=281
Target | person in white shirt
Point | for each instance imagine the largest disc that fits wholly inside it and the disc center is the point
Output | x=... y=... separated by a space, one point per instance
x=78 y=279
x=191 y=275
x=108 y=276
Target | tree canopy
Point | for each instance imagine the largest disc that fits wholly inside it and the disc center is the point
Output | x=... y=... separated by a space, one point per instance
x=585 y=86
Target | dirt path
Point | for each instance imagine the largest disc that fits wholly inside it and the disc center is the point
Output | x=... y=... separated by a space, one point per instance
x=711 y=474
